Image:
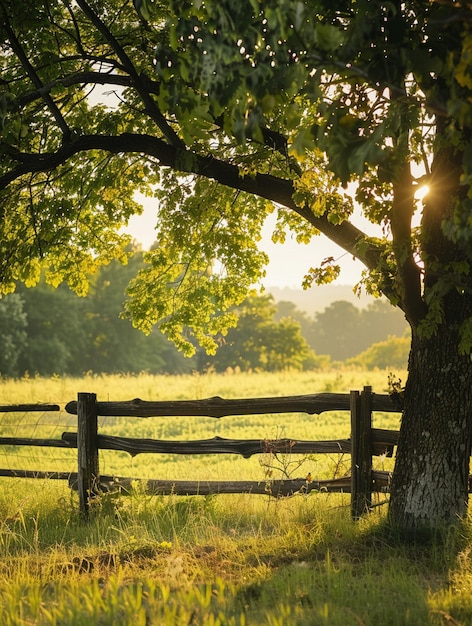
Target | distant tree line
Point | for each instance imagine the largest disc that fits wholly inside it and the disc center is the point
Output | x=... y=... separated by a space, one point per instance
x=342 y=330
x=52 y=331
x=46 y=331
x=263 y=340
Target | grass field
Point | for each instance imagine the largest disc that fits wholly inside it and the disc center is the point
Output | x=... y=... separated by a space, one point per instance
x=233 y=560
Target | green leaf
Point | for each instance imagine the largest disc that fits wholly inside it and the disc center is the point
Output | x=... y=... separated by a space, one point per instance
x=328 y=37
x=143 y=8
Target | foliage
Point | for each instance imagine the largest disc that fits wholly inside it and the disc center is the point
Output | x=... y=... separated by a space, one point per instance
x=261 y=343
x=113 y=345
x=65 y=334
x=391 y=353
x=278 y=103
x=55 y=331
x=92 y=337
x=13 y=335
x=343 y=331
x=309 y=103
x=206 y=258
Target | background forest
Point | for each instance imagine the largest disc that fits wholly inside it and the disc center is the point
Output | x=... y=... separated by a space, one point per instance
x=53 y=331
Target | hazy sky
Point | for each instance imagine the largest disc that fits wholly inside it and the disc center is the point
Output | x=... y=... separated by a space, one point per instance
x=288 y=262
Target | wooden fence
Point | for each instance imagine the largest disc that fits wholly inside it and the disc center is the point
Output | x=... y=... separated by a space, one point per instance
x=364 y=443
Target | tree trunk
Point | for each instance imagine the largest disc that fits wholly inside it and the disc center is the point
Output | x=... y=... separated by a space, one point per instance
x=430 y=482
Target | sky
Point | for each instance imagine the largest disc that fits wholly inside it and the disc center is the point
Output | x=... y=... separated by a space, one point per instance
x=289 y=262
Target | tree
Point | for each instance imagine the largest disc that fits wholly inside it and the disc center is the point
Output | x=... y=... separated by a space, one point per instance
x=380 y=320
x=112 y=344
x=343 y=331
x=286 y=308
x=337 y=331
x=56 y=338
x=222 y=109
x=12 y=333
x=65 y=334
x=391 y=353
x=259 y=342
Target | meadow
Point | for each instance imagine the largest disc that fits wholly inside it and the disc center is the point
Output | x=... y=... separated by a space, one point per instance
x=232 y=559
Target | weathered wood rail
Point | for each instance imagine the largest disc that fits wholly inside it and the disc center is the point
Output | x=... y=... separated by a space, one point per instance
x=364 y=443
x=28 y=408
x=247 y=448
x=219 y=407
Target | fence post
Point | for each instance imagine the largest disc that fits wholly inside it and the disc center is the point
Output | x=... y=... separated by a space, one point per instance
x=361 y=452
x=87 y=449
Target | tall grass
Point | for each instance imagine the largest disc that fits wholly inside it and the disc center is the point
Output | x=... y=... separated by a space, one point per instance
x=233 y=560
x=190 y=386
x=297 y=426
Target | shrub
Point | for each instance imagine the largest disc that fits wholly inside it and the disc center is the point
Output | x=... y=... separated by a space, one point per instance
x=391 y=353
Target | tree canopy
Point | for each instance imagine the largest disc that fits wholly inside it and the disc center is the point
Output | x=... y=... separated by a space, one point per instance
x=73 y=156
x=225 y=111
x=343 y=331
x=391 y=353
x=282 y=102
x=49 y=331
x=261 y=343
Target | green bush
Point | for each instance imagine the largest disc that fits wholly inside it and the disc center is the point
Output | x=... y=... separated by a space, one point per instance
x=393 y=352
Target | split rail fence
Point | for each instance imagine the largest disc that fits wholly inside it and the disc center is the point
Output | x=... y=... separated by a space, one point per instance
x=364 y=443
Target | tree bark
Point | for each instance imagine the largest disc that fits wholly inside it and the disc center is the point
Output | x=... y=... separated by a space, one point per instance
x=430 y=482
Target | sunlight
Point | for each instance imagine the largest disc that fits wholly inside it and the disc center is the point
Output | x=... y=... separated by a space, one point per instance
x=421 y=192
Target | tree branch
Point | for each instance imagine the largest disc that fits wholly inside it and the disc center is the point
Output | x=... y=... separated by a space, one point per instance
x=278 y=190
x=151 y=107
x=80 y=78
x=403 y=206
x=271 y=138
x=20 y=53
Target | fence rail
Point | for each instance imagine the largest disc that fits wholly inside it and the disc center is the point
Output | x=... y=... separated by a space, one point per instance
x=364 y=443
x=246 y=448
x=28 y=408
x=220 y=407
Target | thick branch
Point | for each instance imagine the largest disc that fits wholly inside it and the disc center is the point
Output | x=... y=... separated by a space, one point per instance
x=403 y=207
x=445 y=190
x=278 y=190
x=408 y=273
x=272 y=139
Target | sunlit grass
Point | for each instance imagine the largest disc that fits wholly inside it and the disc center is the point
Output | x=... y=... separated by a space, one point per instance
x=237 y=559
x=329 y=425
x=61 y=390
x=228 y=559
